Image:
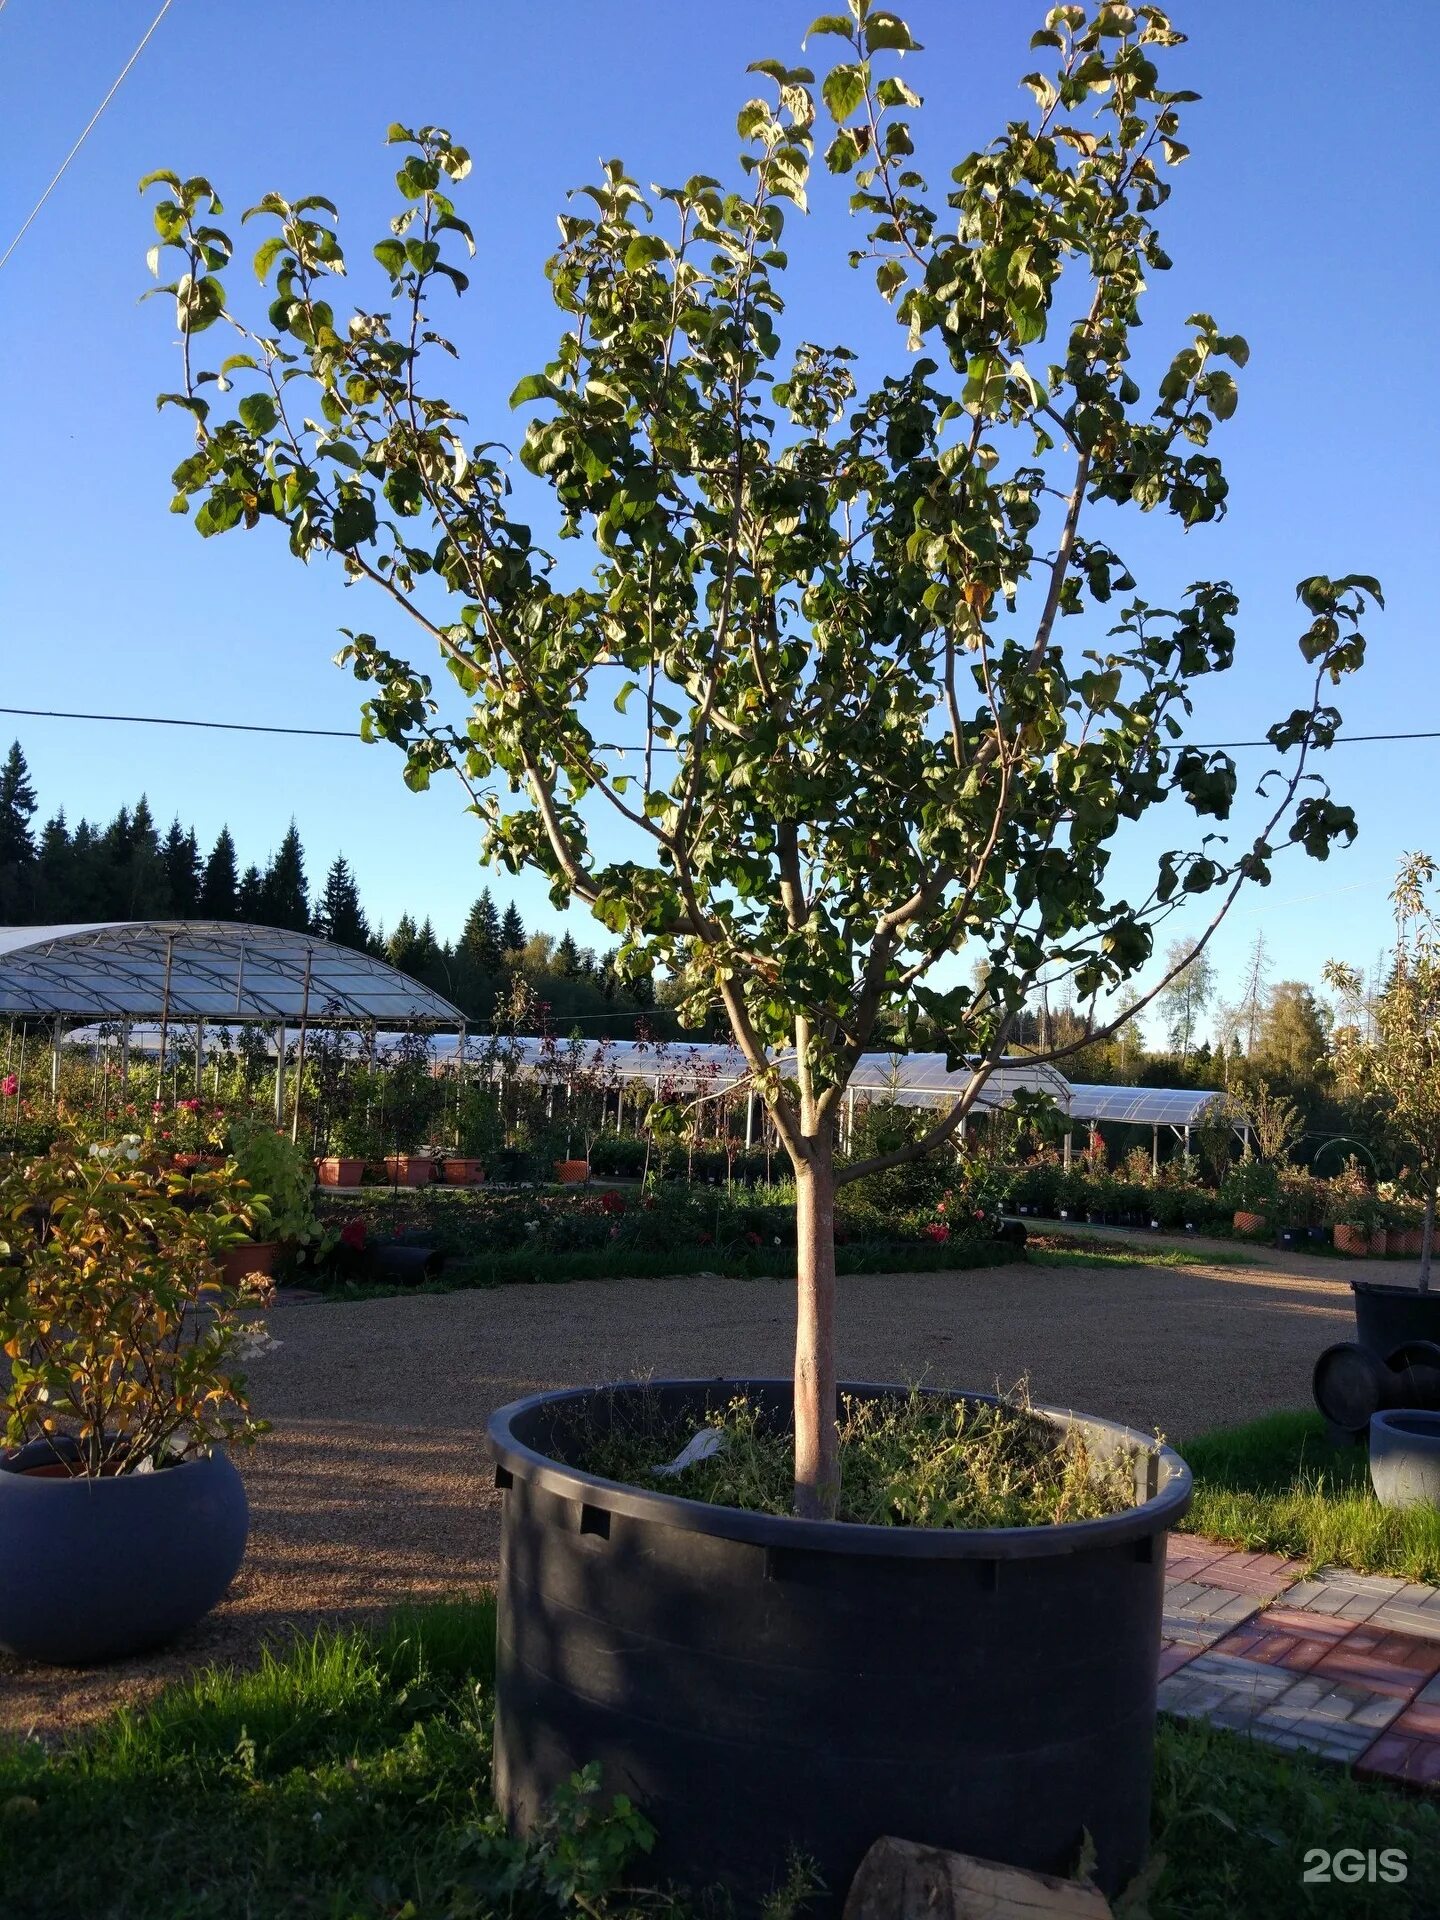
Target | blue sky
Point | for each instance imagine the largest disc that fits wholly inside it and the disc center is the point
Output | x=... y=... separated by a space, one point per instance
x=1303 y=220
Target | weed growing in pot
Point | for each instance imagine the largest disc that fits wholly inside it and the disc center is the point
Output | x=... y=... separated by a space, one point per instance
x=917 y=1459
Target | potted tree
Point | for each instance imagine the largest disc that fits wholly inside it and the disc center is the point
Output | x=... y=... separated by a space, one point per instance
x=850 y=768
x=1388 y=1054
x=122 y=1517
x=1251 y=1189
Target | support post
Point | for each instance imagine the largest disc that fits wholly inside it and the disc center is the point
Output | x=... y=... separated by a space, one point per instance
x=164 y=1018
x=56 y=1038
x=1069 y=1148
x=1154 y=1150
x=300 y=1055
x=124 y=1058
x=749 y=1120
x=199 y=1058
x=280 y=1044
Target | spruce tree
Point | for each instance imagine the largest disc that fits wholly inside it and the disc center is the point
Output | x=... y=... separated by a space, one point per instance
x=480 y=940
x=403 y=947
x=220 y=887
x=512 y=930
x=54 y=891
x=287 y=896
x=250 y=897
x=567 y=959
x=338 y=913
x=146 y=885
x=181 y=856
x=17 y=848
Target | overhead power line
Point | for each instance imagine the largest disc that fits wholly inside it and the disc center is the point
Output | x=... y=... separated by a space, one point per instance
x=346 y=733
x=85 y=131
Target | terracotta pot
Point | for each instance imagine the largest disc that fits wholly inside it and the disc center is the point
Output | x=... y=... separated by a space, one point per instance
x=1379 y=1243
x=1406 y=1240
x=409 y=1169
x=570 y=1172
x=1354 y=1240
x=187 y=1162
x=337 y=1171
x=1250 y=1222
x=253 y=1256
x=463 y=1173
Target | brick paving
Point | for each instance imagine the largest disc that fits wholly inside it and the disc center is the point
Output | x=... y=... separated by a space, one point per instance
x=1345 y=1665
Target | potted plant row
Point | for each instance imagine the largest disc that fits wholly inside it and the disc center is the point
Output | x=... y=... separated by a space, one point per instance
x=124 y=1396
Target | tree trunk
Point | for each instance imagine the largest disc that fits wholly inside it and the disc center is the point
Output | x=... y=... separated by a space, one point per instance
x=817 y=1463
x=1427 y=1236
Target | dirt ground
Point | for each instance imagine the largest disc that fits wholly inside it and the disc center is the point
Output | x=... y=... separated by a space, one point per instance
x=373 y=1487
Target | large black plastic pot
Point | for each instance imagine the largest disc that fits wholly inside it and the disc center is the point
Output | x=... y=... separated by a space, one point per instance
x=760 y=1684
x=1387 y=1317
x=96 y=1569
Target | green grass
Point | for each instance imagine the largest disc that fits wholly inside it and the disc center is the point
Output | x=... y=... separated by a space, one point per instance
x=1233 y=1820
x=1061 y=1250
x=1279 y=1486
x=759 y=1263
x=348 y=1779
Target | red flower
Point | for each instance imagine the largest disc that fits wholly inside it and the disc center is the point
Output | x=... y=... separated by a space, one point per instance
x=753 y=1238
x=612 y=1202
x=10 y=1085
x=937 y=1231
x=707 y=1239
x=352 y=1235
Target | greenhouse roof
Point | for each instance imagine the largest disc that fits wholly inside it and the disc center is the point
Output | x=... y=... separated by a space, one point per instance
x=1143 y=1106
x=205 y=970
x=911 y=1079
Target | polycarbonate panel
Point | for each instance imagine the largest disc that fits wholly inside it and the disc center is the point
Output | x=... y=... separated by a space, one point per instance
x=205 y=970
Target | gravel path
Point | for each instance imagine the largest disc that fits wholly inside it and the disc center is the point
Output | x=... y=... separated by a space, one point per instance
x=373 y=1488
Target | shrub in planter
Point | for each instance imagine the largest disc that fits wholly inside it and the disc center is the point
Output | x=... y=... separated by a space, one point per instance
x=125 y=1389
x=281 y=1179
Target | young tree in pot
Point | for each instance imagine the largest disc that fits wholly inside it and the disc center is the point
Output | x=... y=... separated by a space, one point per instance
x=837 y=616
x=1392 y=1058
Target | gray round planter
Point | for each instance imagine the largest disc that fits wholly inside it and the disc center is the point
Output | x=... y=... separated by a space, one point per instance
x=1405 y=1457
x=96 y=1569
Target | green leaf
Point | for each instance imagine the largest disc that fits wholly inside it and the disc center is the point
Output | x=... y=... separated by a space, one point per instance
x=839 y=24
x=265 y=256
x=258 y=412
x=843 y=91
x=391 y=255
x=889 y=30
x=535 y=386
x=354 y=520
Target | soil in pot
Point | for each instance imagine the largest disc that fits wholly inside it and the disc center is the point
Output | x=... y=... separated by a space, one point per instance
x=989 y=1688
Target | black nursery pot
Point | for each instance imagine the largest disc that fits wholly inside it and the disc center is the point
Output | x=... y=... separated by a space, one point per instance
x=1387 y=1317
x=762 y=1685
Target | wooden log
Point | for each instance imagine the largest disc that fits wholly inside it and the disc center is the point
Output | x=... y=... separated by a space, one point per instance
x=898 y=1880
